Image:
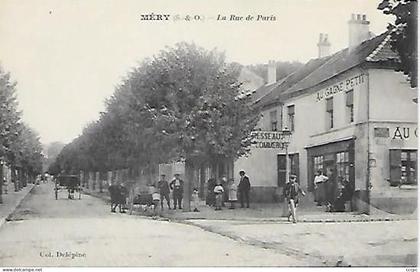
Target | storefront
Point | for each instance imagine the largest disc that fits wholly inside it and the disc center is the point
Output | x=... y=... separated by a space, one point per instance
x=335 y=159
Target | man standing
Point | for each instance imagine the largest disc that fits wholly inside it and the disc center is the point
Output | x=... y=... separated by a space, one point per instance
x=244 y=188
x=177 y=185
x=163 y=187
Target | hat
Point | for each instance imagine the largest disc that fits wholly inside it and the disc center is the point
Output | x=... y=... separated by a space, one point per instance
x=292 y=176
x=241 y=172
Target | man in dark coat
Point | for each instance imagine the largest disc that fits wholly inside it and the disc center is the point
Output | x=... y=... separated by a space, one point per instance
x=244 y=188
x=177 y=185
x=163 y=187
x=114 y=193
x=211 y=198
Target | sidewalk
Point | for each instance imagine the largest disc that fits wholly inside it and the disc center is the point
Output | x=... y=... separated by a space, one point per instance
x=271 y=212
x=11 y=201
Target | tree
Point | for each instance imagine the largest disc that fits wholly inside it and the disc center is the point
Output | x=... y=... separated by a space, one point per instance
x=183 y=104
x=19 y=144
x=191 y=96
x=404 y=34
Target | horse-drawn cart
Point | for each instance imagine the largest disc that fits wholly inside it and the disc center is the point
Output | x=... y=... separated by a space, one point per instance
x=145 y=197
x=71 y=183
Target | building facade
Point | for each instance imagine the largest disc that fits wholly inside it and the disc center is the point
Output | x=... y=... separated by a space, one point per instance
x=351 y=114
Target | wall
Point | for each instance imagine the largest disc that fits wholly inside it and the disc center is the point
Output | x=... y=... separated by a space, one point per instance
x=391 y=97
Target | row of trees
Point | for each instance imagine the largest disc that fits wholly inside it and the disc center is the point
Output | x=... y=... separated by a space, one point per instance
x=184 y=104
x=20 y=147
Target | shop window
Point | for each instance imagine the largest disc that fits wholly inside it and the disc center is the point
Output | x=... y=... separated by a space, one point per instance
x=291 y=117
x=403 y=167
x=349 y=106
x=318 y=163
x=273 y=120
x=343 y=165
x=330 y=112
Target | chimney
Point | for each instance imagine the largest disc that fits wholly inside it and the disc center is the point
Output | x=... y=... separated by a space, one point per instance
x=324 y=46
x=271 y=72
x=358 y=30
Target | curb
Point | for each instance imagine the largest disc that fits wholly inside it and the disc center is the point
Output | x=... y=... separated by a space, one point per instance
x=272 y=220
x=4 y=219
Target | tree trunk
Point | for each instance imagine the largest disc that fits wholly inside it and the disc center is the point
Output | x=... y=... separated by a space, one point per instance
x=189 y=180
x=14 y=179
x=1 y=182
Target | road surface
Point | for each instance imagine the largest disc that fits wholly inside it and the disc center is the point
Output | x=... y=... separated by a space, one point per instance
x=48 y=232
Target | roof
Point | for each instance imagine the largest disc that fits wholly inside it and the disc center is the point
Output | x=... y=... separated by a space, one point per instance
x=316 y=71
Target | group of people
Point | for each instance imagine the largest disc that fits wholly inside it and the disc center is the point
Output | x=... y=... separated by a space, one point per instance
x=224 y=190
x=218 y=192
x=331 y=192
x=177 y=187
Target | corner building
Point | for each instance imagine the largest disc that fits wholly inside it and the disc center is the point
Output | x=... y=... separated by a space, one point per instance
x=349 y=112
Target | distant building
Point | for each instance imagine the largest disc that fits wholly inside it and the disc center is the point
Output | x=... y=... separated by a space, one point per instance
x=349 y=112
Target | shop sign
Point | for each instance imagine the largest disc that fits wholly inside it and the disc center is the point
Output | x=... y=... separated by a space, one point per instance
x=404 y=133
x=269 y=139
x=342 y=86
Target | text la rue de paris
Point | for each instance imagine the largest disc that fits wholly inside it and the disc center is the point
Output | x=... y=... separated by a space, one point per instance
x=238 y=18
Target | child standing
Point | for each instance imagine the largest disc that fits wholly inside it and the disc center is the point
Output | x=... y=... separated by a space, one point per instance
x=195 y=200
x=218 y=191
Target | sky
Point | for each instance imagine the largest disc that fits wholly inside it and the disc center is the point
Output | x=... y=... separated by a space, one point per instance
x=67 y=56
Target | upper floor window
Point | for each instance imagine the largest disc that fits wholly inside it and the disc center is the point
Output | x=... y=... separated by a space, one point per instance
x=330 y=112
x=349 y=106
x=291 y=117
x=273 y=120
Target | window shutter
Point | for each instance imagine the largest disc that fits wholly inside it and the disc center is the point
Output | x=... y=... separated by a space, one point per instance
x=330 y=105
x=281 y=170
x=395 y=166
x=349 y=98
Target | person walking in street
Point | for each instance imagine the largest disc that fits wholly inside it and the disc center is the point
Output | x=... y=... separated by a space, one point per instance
x=164 y=190
x=291 y=193
x=218 y=191
x=177 y=185
x=319 y=185
x=232 y=193
x=244 y=188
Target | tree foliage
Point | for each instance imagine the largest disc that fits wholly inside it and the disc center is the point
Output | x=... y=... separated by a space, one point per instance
x=19 y=144
x=404 y=34
x=183 y=103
